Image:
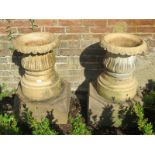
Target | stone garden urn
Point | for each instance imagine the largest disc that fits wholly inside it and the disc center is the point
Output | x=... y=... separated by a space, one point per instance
x=117 y=82
x=40 y=89
x=40 y=81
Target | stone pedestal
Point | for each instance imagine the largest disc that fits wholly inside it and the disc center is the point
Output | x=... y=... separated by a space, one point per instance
x=117 y=83
x=59 y=105
x=105 y=111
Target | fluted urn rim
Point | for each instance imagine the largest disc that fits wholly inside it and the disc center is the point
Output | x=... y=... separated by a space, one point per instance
x=35 y=42
x=123 y=44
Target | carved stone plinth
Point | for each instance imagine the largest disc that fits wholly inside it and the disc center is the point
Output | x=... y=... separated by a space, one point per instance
x=117 y=82
x=59 y=106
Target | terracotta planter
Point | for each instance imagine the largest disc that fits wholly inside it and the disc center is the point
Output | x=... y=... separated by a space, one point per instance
x=117 y=82
x=40 y=81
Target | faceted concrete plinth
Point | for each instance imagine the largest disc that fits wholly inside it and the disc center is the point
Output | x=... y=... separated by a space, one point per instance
x=103 y=110
x=59 y=106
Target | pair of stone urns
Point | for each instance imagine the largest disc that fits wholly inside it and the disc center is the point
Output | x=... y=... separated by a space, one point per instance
x=43 y=92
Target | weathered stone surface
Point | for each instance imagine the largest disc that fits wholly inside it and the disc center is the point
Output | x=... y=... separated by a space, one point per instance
x=145 y=68
x=104 y=111
x=59 y=106
x=117 y=80
x=40 y=81
x=3 y=60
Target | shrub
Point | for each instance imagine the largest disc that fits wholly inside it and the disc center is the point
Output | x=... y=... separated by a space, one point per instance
x=143 y=125
x=8 y=125
x=38 y=128
x=149 y=99
x=78 y=126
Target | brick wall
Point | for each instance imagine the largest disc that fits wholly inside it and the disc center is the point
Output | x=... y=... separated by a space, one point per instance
x=79 y=56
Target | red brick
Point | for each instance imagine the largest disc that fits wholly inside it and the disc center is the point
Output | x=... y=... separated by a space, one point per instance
x=94 y=22
x=75 y=22
x=77 y=29
x=100 y=30
x=45 y=22
x=55 y=29
x=115 y=21
x=145 y=22
x=3 y=23
x=132 y=29
x=132 y=22
x=3 y=30
x=100 y=22
x=20 y=23
x=88 y=22
x=28 y=30
x=146 y=29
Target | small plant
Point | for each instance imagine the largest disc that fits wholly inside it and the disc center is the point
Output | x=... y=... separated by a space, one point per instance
x=38 y=128
x=33 y=25
x=78 y=126
x=9 y=30
x=149 y=99
x=5 y=92
x=149 y=95
x=8 y=125
x=143 y=125
x=120 y=27
x=10 y=33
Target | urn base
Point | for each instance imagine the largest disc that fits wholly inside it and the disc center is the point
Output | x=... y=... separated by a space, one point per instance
x=116 y=89
x=41 y=85
x=59 y=106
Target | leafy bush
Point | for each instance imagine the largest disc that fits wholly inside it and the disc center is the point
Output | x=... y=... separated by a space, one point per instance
x=149 y=100
x=143 y=125
x=8 y=125
x=38 y=128
x=78 y=126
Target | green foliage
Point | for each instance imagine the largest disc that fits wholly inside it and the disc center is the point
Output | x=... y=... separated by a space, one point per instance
x=5 y=92
x=8 y=125
x=120 y=27
x=9 y=30
x=38 y=128
x=149 y=99
x=149 y=94
x=78 y=126
x=33 y=25
x=143 y=125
